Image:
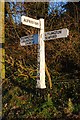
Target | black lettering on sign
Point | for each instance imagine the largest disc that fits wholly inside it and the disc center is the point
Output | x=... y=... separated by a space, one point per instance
x=58 y=32
x=53 y=33
x=29 y=21
x=36 y=23
x=25 y=20
x=51 y=37
x=22 y=40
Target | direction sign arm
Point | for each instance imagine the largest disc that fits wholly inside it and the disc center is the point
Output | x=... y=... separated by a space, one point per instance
x=30 y=22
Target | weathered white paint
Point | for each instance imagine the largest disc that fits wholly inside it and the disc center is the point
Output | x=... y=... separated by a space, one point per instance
x=29 y=40
x=30 y=21
x=61 y=33
x=41 y=57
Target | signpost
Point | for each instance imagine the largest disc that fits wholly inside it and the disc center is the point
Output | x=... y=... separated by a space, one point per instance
x=40 y=40
x=41 y=49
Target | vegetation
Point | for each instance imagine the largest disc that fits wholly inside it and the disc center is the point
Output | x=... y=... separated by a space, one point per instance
x=21 y=99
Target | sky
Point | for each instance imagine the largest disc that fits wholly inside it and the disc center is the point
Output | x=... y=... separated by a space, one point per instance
x=52 y=7
x=56 y=5
x=41 y=0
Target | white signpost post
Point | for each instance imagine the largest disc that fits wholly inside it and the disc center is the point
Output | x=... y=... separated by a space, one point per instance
x=39 y=39
x=41 y=58
x=41 y=49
